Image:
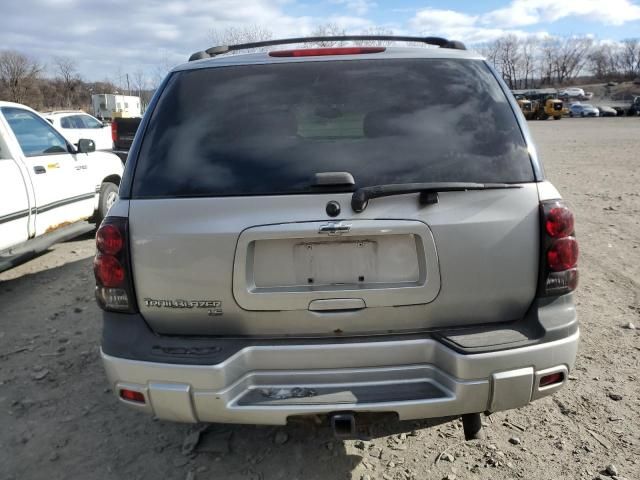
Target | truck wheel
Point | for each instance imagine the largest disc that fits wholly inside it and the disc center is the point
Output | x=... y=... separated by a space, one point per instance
x=472 y=425
x=108 y=196
x=557 y=117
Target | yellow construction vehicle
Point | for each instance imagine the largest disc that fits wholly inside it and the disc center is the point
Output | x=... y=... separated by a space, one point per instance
x=527 y=107
x=545 y=106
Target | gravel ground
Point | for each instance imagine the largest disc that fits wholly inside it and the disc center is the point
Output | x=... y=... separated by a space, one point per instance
x=60 y=421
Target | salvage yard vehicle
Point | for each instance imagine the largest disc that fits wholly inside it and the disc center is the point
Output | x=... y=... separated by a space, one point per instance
x=572 y=92
x=606 y=111
x=48 y=187
x=123 y=131
x=551 y=108
x=583 y=110
x=547 y=106
x=634 y=108
x=304 y=232
x=526 y=107
x=77 y=124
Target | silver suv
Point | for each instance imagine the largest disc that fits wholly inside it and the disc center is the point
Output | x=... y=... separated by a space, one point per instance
x=336 y=232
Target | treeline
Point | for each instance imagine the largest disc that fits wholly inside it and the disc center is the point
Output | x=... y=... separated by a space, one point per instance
x=531 y=62
x=25 y=80
x=523 y=62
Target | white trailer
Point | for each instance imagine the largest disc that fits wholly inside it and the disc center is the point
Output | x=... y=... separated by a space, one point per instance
x=108 y=106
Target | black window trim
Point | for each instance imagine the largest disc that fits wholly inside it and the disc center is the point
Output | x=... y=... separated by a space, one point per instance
x=126 y=183
x=536 y=165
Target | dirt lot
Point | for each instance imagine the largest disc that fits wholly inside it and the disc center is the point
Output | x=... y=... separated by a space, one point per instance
x=60 y=421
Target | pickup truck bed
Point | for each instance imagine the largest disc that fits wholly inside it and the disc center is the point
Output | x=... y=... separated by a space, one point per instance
x=123 y=131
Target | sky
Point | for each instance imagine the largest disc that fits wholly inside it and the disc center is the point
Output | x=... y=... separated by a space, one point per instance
x=109 y=38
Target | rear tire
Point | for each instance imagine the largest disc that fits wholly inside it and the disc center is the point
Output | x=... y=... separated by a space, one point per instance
x=108 y=196
x=557 y=117
x=472 y=425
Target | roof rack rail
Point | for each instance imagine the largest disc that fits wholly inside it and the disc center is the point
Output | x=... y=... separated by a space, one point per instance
x=219 y=50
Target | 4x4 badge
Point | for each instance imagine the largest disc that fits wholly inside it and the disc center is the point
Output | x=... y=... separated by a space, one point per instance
x=334 y=228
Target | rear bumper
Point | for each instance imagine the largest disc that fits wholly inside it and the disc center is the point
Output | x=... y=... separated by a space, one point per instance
x=414 y=376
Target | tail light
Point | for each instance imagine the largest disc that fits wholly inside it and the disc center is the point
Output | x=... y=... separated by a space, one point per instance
x=559 y=250
x=114 y=131
x=111 y=267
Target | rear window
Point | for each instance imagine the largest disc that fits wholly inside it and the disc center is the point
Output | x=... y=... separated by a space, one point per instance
x=268 y=129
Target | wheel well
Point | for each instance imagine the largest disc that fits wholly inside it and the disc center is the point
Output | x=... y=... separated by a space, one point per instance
x=112 y=179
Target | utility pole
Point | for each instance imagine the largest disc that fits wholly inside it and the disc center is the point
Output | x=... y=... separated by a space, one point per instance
x=128 y=87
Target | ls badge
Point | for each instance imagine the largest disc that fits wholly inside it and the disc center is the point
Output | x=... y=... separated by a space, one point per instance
x=214 y=307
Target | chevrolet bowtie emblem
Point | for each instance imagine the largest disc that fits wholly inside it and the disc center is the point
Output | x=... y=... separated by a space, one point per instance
x=334 y=228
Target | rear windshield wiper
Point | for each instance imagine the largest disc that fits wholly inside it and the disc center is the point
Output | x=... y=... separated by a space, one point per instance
x=428 y=191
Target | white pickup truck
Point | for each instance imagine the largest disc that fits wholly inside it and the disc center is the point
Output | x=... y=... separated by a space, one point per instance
x=49 y=189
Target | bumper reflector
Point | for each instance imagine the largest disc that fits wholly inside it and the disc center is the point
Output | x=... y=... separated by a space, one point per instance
x=132 y=396
x=552 y=379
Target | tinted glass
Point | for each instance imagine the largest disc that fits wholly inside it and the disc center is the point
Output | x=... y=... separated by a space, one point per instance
x=35 y=135
x=267 y=129
x=90 y=122
x=73 y=121
x=78 y=121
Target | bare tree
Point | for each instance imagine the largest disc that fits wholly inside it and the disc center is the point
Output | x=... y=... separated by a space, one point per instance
x=628 y=58
x=602 y=61
x=236 y=35
x=65 y=69
x=563 y=59
x=509 y=56
x=328 y=30
x=571 y=57
x=505 y=55
x=160 y=71
x=139 y=81
x=141 y=87
x=18 y=76
x=490 y=52
x=514 y=58
x=546 y=61
x=528 y=49
x=379 y=31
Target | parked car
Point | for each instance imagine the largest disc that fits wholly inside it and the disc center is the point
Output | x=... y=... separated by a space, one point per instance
x=571 y=92
x=634 y=107
x=48 y=187
x=583 y=110
x=123 y=131
x=305 y=232
x=605 y=111
x=77 y=124
x=620 y=111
